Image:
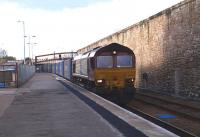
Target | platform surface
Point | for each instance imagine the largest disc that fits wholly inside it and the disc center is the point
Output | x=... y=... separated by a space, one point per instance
x=43 y=107
x=6 y=98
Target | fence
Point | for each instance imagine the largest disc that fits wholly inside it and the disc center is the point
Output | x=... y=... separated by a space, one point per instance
x=25 y=72
x=15 y=75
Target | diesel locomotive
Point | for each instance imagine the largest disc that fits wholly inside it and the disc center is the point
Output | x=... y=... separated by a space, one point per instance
x=106 y=69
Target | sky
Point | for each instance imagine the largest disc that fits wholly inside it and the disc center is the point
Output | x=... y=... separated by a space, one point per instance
x=68 y=25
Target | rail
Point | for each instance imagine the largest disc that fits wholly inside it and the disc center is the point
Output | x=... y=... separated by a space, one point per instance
x=182 y=109
x=170 y=127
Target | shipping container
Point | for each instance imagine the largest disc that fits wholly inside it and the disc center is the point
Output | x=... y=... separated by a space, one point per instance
x=62 y=68
x=68 y=69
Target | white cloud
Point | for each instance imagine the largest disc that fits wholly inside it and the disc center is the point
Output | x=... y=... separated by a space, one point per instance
x=71 y=29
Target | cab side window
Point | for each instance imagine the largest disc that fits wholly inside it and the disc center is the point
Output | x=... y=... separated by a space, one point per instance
x=92 y=63
x=74 y=67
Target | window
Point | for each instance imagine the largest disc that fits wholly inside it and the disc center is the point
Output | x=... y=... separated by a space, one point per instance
x=124 y=61
x=92 y=63
x=74 y=67
x=104 y=62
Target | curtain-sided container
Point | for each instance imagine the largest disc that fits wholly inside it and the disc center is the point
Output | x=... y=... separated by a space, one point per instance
x=68 y=69
x=54 y=68
x=57 y=69
x=62 y=68
x=49 y=68
x=45 y=68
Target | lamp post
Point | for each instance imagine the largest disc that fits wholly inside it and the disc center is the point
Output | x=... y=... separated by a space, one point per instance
x=34 y=44
x=30 y=46
x=24 y=38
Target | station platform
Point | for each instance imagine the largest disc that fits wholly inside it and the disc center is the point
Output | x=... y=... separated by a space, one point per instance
x=44 y=107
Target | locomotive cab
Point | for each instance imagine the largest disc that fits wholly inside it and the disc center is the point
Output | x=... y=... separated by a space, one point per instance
x=115 y=68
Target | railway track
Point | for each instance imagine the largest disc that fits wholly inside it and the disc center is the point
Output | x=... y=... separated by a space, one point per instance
x=173 y=127
x=168 y=126
x=191 y=112
x=165 y=124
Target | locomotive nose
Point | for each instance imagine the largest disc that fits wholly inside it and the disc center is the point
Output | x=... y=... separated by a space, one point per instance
x=116 y=82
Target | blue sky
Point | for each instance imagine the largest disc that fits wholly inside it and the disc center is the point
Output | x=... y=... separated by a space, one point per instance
x=54 y=4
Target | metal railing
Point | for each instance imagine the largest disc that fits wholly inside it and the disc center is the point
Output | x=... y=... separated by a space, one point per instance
x=24 y=73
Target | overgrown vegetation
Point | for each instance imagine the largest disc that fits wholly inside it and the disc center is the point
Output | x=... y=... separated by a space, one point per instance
x=4 y=57
x=8 y=58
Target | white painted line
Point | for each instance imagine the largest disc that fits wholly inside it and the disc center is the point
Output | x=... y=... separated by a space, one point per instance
x=7 y=92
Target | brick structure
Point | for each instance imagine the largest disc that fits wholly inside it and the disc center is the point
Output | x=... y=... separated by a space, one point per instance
x=167 y=49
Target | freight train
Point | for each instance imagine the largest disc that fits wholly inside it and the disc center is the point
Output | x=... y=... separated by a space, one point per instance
x=105 y=69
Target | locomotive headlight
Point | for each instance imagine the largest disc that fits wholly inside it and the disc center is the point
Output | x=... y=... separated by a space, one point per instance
x=99 y=81
x=132 y=80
